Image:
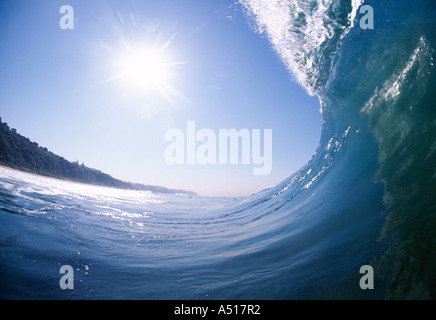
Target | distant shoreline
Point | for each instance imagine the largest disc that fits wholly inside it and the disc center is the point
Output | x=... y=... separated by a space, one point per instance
x=21 y=154
x=189 y=193
x=56 y=179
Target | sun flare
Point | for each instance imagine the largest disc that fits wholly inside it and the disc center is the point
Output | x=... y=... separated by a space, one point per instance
x=144 y=70
x=146 y=75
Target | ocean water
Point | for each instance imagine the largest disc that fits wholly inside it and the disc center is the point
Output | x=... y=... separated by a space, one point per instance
x=367 y=197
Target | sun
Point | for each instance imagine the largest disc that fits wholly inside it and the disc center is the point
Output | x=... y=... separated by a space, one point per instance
x=145 y=74
x=145 y=69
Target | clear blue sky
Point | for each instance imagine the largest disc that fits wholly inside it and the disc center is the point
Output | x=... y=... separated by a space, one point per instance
x=60 y=88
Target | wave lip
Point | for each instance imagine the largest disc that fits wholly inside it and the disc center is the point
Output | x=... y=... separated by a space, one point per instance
x=305 y=34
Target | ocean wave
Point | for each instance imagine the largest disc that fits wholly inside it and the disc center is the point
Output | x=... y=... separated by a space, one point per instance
x=366 y=197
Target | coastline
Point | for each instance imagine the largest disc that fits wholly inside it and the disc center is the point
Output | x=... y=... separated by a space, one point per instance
x=169 y=191
x=60 y=179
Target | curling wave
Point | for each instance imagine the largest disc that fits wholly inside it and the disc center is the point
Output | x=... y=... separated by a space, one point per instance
x=365 y=198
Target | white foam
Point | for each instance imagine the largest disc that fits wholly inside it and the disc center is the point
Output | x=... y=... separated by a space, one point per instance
x=298 y=30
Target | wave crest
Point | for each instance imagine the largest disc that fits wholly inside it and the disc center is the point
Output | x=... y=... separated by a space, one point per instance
x=305 y=34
